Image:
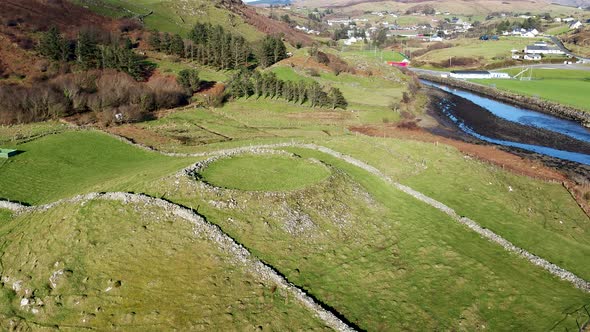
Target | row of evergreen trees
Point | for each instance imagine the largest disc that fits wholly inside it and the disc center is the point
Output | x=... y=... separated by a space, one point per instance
x=268 y=85
x=89 y=52
x=212 y=45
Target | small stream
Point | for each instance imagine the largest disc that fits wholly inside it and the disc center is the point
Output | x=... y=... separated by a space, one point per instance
x=522 y=117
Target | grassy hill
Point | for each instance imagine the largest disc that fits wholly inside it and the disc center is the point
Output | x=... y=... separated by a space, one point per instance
x=234 y=241
x=174 y=16
x=350 y=239
x=110 y=265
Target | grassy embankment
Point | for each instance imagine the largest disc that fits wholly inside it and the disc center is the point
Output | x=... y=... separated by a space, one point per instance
x=130 y=267
x=568 y=87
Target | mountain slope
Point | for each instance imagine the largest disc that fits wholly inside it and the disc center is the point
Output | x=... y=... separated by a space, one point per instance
x=181 y=15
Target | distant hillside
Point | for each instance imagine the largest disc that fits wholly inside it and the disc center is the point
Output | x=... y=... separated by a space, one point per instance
x=268 y=2
x=459 y=7
x=573 y=3
x=180 y=16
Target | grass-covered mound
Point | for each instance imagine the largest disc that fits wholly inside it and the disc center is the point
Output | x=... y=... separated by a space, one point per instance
x=383 y=259
x=63 y=165
x=264 y=173
x=106 y=265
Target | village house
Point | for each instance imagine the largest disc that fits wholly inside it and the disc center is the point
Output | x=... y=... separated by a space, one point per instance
x=477 y=74
x=532 y=57
x=576 y=25
x=542 y=48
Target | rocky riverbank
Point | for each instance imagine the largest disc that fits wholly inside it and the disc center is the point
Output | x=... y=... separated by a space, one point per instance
x=544 y=106
x=485 y=123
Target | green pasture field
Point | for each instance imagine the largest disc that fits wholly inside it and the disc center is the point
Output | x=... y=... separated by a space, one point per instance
x=287 y=73
x=170 y=65
x=124 y=266
x=362 y=92
x=568 y=87
x=365 y=51
x=353 y=240
x=264 y=173
x=382 y=258
x=538 y=216
x=487 y=51
x=66 y=164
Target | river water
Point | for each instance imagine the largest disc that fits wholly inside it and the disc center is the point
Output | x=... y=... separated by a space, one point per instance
x=521 y=116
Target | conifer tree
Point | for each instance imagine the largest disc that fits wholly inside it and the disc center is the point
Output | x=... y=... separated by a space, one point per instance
x=315 y=94
x=177 y=45
x=301 y=92
x=86 y=50
x=154 y=40
x=54 y=46
x=257 y=83
x=336 y=99
x=189 y=79
x=165 y=43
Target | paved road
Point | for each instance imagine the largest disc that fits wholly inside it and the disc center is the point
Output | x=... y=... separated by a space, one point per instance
x=559 y=44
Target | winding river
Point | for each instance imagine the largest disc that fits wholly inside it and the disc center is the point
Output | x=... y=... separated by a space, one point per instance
x=523 y=117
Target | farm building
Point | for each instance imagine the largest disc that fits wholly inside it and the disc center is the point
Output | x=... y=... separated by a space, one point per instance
x=7 y=153
x=542 y=49
x=403 y=63
x=576 y=25
x=477 y=74
x=535 y=57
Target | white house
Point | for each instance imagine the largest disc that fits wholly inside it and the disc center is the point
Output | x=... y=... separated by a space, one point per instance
x=576 y=25
x=436 y=39
x=557 y=19
x=568 y=19
x=539 y=49
x=528 y=34
x=477 y=74
x=350 y=41
x=535 y=57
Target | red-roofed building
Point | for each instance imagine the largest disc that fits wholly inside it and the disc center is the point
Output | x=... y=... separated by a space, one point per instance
x=403 y=63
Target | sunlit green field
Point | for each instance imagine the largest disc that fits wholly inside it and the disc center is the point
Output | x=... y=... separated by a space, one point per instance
x=109 y=265
x=569 y=87
x=264 y=173
x=63 y=165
